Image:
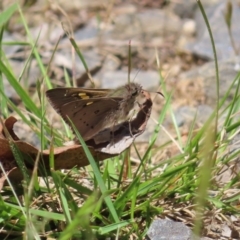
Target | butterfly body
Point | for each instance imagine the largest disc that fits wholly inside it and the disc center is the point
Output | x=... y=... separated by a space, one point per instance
x=92 y=110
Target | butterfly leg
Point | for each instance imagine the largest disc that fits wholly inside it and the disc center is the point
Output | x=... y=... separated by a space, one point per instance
x=129 y=122
x=141 y=107
x=112 y=134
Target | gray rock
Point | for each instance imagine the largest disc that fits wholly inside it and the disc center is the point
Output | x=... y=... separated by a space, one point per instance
x=29 y=77
x=76 y=5
x=184 y=9
x=163 y=229
x=227 y=74
x=63 y=59
x=112 y=79
x=46 y=34
x=90 y=32
x=215 y=13
x=186 y=114
x=111 y=63
x=25 y=133
x=9 y=50
x=145 y=24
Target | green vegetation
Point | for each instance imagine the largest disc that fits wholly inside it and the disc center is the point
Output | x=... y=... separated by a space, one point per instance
x=103 y=199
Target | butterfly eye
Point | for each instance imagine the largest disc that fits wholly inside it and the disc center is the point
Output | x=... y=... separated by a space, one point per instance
x=135 y=93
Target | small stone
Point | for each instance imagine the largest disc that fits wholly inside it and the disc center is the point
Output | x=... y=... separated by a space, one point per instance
x=189 y=27
x=169 y=230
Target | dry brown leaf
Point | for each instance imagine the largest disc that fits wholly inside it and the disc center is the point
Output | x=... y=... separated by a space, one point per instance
x=67 y=157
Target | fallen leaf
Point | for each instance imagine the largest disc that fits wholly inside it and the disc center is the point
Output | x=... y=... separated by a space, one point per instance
x=65 y=157
x=102 y=146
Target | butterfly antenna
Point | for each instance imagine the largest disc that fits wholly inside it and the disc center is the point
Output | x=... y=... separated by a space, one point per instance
x=129 y=61
x=137 y=73
x=158 y=92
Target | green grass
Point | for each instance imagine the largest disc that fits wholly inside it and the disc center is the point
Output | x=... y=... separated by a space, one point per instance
x=99 y=201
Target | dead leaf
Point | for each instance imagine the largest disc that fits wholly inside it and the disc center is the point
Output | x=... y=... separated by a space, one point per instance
x=65 y=157
x=101 y=145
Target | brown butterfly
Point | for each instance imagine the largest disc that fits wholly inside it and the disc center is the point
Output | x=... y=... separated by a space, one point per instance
x=92 y=110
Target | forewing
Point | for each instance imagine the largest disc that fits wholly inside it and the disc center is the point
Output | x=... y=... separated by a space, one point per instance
x=89 y=115
x=59 y=96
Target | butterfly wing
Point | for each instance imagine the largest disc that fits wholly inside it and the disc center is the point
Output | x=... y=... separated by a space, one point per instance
x=91 y=116
x=60 y=96
x=88 y=115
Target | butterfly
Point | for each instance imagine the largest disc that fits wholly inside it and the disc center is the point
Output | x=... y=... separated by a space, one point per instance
x=93 y=110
